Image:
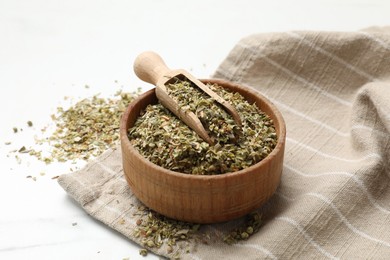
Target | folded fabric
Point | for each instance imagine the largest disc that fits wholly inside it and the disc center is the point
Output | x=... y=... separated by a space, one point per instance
x=334 y=198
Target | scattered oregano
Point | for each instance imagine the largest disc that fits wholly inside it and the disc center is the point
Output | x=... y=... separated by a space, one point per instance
x=86 y=129
x=251 y=226
x=156 y=230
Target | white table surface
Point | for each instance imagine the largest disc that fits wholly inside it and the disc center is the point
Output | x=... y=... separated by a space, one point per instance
x=52 y=49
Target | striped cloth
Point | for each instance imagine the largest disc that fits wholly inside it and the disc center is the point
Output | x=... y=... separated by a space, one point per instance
x=333 y=202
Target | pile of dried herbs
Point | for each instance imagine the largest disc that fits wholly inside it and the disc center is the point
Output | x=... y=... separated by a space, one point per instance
x=156 y=230
x=165 y=140
x=86 y=129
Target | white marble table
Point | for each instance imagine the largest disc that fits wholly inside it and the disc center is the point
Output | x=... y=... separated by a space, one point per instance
x=52 y=49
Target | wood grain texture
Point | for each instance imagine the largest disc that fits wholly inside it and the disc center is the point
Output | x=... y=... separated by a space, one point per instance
x=203 y=199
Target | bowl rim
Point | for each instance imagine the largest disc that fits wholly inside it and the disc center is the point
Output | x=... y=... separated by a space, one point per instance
x=279 y=145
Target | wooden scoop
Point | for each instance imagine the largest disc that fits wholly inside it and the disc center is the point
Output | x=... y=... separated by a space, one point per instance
x=150 y=67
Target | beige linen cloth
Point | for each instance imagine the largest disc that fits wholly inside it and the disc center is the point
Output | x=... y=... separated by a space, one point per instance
x=333 y=89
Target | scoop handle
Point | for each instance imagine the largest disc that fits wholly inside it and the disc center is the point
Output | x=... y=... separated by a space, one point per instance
x=150 y=67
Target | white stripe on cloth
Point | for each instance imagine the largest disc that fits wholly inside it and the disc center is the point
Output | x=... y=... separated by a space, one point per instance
x=306 y=82
x=306 y=236
x=293 y=75
x=102 y=203
x=375 y=39
x=106 y=168
x=94 y=193
x=346 y=222
x=318 y=152
x=313 y=120
x=355 y=178
x=332 y=56
x=258 y=248
x=340 y=215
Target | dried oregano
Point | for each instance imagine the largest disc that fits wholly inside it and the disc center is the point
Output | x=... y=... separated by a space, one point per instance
x=86 y=129
x=156 y=230
x=165 y=140
x=251 y=226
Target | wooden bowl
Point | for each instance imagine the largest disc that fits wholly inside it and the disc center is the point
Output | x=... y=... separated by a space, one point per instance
x=203 y=198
